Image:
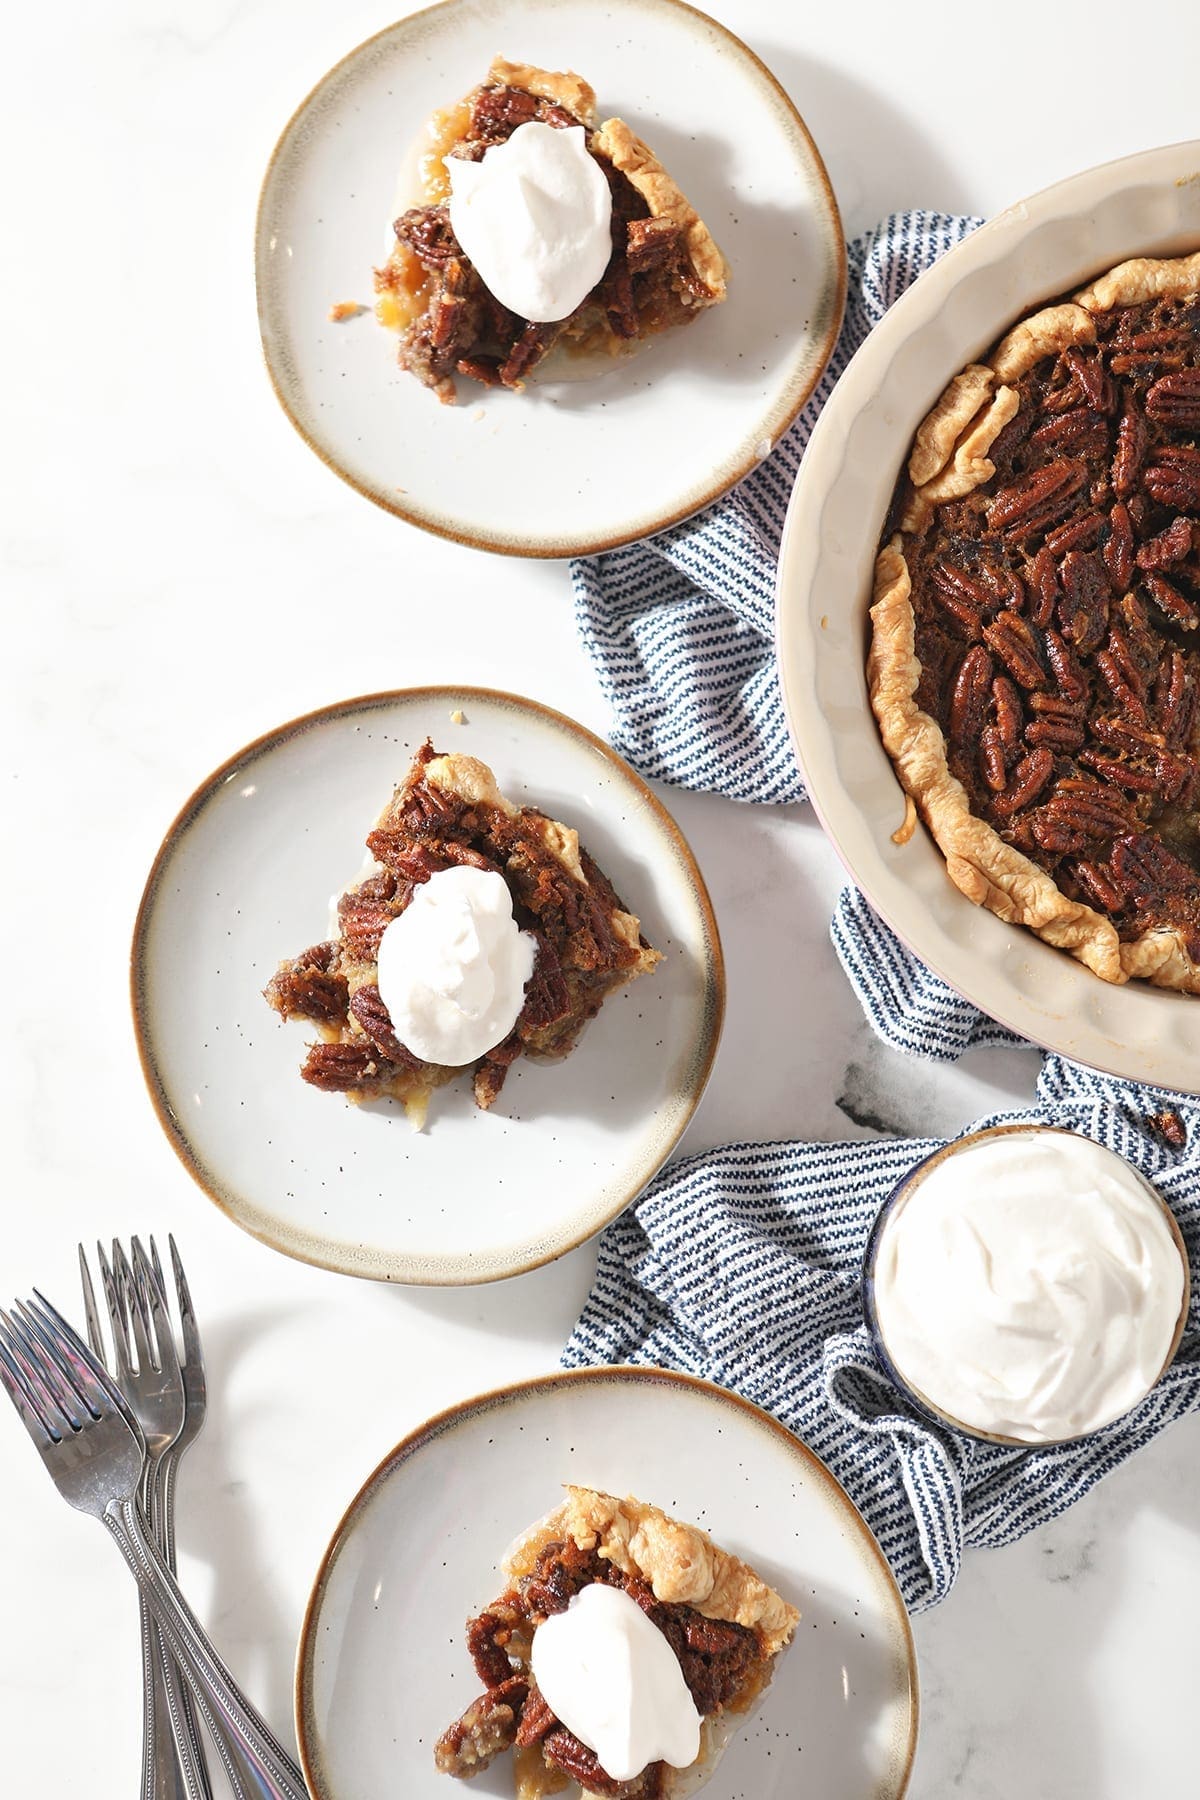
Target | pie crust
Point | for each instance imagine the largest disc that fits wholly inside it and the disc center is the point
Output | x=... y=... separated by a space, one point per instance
x=680 y=1578
x=1000 y=863
x=450 y=811
x=665 y=266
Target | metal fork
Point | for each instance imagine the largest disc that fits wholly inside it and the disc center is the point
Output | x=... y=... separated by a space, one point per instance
x=95 y=1454
x=172 y=1769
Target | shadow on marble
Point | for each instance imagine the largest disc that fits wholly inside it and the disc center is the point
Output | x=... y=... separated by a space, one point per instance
x=1018 y=1665
x=544 y=1302
x=878 y=159
x=216 y=1526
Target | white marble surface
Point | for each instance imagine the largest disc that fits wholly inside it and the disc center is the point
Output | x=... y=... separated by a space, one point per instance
x=178 y=571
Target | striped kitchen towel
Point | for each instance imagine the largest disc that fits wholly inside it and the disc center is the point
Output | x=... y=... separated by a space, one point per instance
x=742 y=1265
x=680 y=627
x=680 y=630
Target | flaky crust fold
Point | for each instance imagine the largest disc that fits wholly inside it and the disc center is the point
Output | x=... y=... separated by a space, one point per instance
x=666 y=200
x=680 y=1562
x=947 y=461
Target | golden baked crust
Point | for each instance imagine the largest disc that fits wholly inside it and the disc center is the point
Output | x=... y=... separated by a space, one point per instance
x=562 y=86
x=666 y=200
x=948 y=461
x=680 y=1562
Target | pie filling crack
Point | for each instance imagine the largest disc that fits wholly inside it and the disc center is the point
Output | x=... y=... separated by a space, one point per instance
x=725 y=1625
x=1035 y=658
x=664 y=270
x=450 y=813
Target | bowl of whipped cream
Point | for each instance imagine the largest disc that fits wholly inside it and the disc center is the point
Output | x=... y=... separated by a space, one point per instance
x=1025 y=1285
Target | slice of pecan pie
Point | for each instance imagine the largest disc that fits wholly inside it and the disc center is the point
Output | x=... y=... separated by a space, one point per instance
x=449 y=813
x=725 y=1625
x=1035 y=659
x=664 y=269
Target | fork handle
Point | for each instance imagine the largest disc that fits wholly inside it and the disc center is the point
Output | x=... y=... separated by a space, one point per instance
x=170 y=1694
x=271 y=1773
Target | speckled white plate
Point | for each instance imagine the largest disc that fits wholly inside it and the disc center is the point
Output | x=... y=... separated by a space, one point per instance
x=382 y=1666
x=1043 y=247
x=244 y=879
x=569 y=467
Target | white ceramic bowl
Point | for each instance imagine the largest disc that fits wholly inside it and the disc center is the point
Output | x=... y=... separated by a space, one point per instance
x=244 y=879
x=383 y=1668
x=569 y=467
x=900 y=1197
x=1044 y=247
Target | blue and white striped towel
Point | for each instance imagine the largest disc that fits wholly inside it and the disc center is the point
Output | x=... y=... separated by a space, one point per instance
x=680 y=630
x=742 y=1265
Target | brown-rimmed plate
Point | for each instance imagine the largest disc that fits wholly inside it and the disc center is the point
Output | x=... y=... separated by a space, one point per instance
x=571 y=466
x=382 y=1666
x=244 y=879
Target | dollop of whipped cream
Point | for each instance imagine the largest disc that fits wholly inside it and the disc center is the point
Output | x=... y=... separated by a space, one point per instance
x=533 y=216
x=1029 y=1285
x=453 y=966
x=613 y=1679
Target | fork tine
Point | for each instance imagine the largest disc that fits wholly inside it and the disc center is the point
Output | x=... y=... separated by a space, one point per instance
x=156 y=1265
x=153 y=1299
x=34 y=1415
x=116 y=1314
x=51 y=1386
x=60 y=1355
x=95 y=1335
x=88 y=1367
x=135 y=1306
x=191 y=1332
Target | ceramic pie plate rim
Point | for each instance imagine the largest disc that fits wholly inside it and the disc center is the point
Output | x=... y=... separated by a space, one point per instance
x=1040 y=993
x=305 y=1246
x=775 y=422
x=494 y=1398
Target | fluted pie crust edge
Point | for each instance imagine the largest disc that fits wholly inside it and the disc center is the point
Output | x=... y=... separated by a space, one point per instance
x=948 y=459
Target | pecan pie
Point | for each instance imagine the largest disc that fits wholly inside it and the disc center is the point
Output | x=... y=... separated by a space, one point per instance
x=1035 y=657
x=664 y=269
x=725 y=1625
x=450 y=813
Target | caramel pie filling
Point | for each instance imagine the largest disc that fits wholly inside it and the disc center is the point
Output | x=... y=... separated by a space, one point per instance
x=1056 y=607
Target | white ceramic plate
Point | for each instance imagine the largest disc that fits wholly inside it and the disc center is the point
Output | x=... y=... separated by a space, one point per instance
x=244 y=879
x=1044 y=247
x=568 y=467
x=383 y=1669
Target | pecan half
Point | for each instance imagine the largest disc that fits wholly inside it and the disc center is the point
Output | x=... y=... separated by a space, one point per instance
x=365 y=913
x=1120 y=774
x=991 y=759
x=337 y=1068
x=1044 y=575
x=969 y=699
x=1028 y=779
x=1176 y=606
x=306 y=989
x=536 y=1719
x=1173 y=479
x=1083 y=605
x=368 y=1008
x=1037 y=499
x=1175 y=399
x=1006 y=702
x=1143 y=867
x=1118 y=550
x=1169 y=547
x=1080 y=430
x=1132 y=440
x=1072 y=682
x=1014 y=642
